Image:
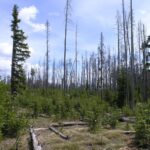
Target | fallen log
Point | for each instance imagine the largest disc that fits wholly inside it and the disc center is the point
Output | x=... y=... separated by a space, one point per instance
x=127 y=119
x=128 y=132
x=63 y=124
x=40 y=129
x=59 y=133
x=66 y=124
x=36 y=145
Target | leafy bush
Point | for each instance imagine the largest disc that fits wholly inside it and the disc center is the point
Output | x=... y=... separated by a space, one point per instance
x=142 y=126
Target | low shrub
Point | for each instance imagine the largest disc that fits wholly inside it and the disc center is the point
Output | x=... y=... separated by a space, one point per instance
x=111 y=119
x=12 y=124
x=142 y=126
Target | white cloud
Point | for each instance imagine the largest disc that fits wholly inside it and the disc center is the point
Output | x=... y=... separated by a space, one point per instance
x=28 y=14
x=5 y=57
x=144 y=16
x=5 y=65
x=5 y=49
x=31 y=50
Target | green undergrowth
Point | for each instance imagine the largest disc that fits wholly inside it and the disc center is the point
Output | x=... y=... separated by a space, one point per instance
x=76 y=104
x=11 y=121
x=142 y=126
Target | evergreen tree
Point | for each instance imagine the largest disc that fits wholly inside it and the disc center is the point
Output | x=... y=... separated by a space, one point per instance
x=121 y=82
x=20 y=53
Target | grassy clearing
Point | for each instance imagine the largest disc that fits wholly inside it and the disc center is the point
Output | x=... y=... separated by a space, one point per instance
x=80 y=138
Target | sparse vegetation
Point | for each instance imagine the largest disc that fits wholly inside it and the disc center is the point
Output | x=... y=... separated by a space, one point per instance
x=103 y=88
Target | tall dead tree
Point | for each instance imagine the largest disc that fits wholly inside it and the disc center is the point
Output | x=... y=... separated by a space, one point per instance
x=118 y=38
x=47 y=54
x=126 y=52
x=139 y=40
x=44 y=72
x=53 y=74
x=132 y=57
x=109 y=69
x=100 y=65
x=76 y=56
x=83 y=73
x=87 y=71
x=67 y=14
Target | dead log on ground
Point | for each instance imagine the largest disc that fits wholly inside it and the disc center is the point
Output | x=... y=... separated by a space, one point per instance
x=128 y=132
x=35 y=142
x=67 y=124
x=58 y=133
x=127 y=119
x=40 y=129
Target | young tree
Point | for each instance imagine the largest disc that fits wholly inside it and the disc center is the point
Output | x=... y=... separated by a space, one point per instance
x=20 y=53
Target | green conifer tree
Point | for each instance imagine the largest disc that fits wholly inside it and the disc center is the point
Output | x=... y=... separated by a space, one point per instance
x=20 y=53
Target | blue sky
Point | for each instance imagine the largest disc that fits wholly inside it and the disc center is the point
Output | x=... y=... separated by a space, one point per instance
x=91 y=16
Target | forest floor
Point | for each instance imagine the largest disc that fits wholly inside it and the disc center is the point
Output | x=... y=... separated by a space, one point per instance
x=79 y=138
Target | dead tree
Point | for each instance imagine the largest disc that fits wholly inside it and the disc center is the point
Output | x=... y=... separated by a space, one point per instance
x=47 y=54
x=132 y=57
x=83 y=73
x=126 y=52
x=67 y=14
x=109 y=69
x=44 y=73
x=139 y=40
x=87 y=72
x=100 y=65
x=53 y=74
x=118 y=38
x=76 y=56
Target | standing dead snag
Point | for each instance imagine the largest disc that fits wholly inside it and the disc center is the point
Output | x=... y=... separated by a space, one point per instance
x=101 y=65
x=132 y=58
x=47 y=54
x=126 y=51
x=67 y=9
x=76 y=57
x=118 y=38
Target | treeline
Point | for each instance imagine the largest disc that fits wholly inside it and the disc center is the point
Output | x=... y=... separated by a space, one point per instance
x=123 y=71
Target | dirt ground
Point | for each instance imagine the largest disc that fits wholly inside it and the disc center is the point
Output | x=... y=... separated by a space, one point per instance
x=79 y=138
